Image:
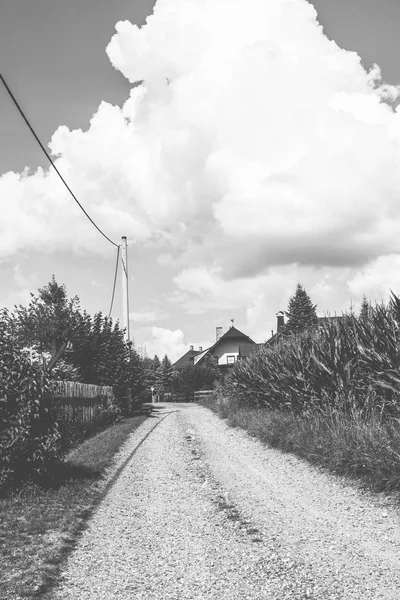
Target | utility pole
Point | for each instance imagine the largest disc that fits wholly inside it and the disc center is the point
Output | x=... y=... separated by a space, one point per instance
x=125 y=288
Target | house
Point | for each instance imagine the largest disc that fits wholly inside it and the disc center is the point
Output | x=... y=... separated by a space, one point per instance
x=186 y=359
x=233 y=345
x=228 y=348
x=280 y=328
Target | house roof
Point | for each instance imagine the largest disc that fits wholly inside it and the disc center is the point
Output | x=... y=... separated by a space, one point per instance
x=330 y=318
x=232 y=333
x=200 y=355
x=184 y=360
x=276 y=336
x=247 y=349
x=193 y=357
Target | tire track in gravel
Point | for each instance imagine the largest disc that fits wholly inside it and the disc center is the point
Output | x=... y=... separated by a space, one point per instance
x=200 y=511
x=348 y=537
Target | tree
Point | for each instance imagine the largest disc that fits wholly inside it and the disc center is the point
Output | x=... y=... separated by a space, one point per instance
x=196 y=377
x=151 y=367
x=164 y=376
x=48 y=322
x=102 y=355
x=156 y=363
x=301 y=313
x=365 y=310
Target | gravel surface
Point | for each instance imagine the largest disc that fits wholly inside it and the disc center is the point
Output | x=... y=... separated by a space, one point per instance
x=204 y=511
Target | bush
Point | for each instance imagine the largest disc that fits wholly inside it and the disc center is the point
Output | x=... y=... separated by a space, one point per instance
x=195 y=378
x=74 y=432
x=29 y=433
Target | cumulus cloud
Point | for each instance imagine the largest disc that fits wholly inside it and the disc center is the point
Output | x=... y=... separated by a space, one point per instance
x=250 y=142
x=279 y=141
x=147 y=316
x=376 y=279
x=161 y=341
x=254 y=302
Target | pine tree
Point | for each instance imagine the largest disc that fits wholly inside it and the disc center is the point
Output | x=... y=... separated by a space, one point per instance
x=165 y=373
x=365 y=310
x=156 y=363
x=301 y=313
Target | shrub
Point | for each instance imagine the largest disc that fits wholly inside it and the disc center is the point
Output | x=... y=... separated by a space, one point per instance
x=29 y=434
x=74 y=432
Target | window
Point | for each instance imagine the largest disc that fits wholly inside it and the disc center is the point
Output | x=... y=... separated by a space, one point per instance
x=230 y=360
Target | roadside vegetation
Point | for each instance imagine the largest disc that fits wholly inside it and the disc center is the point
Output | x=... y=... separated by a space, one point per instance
x=327 y=391
x=50 y=465
x=195 y=378
x=41 y=520
x=52 y=339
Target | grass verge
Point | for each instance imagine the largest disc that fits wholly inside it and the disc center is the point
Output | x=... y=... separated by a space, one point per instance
x=39 y=523
x=367 y=451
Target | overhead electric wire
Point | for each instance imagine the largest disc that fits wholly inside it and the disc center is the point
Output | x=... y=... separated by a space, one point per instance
x=115 y=281
x=52 y=163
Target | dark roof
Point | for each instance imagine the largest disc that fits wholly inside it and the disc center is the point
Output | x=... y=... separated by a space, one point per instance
x=247 y=349
x=329 y=318
x=233 y=333
x=276 y=336
x=185 y=360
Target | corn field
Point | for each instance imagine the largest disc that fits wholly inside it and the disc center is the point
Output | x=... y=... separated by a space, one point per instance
x=348 y=365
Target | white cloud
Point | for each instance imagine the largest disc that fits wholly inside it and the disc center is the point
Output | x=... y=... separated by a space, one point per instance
x=147 y=316
x=376 y=279
x=161 y=341
x=254 y=151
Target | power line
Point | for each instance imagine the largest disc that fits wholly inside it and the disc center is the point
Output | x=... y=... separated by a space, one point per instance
x=115 y=281
x=51 y=161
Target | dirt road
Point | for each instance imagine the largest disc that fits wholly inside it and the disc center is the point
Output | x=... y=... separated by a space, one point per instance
x=204 y=511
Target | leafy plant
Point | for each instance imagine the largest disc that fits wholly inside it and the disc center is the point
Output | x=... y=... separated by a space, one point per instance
x=48 y=322
x=29 y=434
x=194 y=378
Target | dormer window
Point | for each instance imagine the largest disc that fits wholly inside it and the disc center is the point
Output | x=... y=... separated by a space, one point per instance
x=230 y=359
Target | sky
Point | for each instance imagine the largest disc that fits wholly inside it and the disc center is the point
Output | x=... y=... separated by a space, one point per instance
x=242 y=146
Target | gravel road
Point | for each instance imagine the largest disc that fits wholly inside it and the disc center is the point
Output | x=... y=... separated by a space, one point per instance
x=204 y=511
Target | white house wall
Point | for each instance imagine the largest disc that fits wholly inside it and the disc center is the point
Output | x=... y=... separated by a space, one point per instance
x=226 y=348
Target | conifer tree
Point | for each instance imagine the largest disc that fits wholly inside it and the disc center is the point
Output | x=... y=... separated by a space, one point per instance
x=365 y=310
x=301 y=313
x=165 y=373
x=156 y=363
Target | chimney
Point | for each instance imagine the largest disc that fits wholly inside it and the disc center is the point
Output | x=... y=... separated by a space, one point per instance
x=200 y=348
x=218 y=332
x=192 y=347
x=280 y=321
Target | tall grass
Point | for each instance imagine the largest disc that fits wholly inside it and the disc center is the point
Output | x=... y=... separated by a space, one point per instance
x=344 y=365
x=330 y=395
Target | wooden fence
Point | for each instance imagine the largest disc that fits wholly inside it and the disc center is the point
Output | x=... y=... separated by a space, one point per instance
x=80 y=401
x=203 y=395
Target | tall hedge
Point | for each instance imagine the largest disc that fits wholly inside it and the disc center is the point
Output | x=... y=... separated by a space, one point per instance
x=29 y=434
